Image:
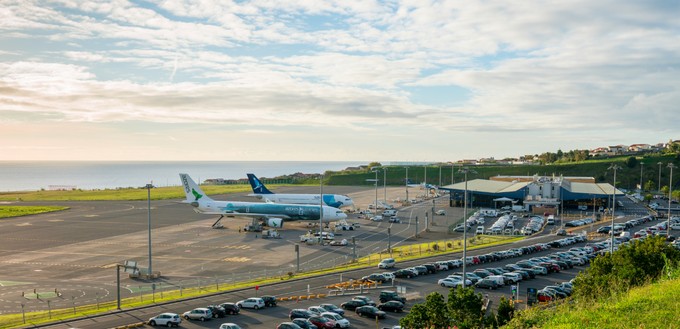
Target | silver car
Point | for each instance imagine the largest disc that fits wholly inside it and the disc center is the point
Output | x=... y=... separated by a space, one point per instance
x=165 y=319
x=200 y=313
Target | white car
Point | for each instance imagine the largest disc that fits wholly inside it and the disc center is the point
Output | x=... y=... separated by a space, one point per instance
x=389 y=275
x=254 y=303
x=317 y=310
x=200 y=313
x=339 y=319
x=229 y=326
x=165 y=319
x=453 y=282
x=514 y=277
x=675 y=226
x=377 y=218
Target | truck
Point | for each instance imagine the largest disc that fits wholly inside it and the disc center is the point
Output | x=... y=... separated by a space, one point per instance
x=345 y=226
x=271 y=234
x=389 y=213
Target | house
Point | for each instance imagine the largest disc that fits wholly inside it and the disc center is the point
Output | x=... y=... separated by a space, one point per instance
x=618 y=149
x=640 y=148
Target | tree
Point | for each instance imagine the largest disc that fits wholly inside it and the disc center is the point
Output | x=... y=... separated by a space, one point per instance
x=465 y=308
x=631 y=162
x=373 y=165
x=649 y=185
x=431 y=314
x=648 y=197
x=417 y=317
x=664 y=189
x=505 y=311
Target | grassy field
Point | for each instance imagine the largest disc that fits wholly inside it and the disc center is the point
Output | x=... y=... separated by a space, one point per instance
x=16 y=211
x=652 y=306
x=159 y=193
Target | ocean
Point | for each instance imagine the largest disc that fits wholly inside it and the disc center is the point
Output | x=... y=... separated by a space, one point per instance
x=88 y=175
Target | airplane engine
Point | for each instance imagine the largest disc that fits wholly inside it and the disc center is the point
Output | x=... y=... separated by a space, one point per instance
x=275 y=222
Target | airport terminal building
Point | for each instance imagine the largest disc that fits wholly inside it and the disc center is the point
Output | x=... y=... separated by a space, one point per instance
x=537 y=194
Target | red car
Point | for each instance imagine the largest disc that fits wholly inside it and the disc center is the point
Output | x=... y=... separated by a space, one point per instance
x=322 y=322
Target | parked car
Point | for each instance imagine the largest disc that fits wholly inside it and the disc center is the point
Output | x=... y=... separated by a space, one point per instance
x=217 y=311
x=404 y=273
x=365 y=299
x=353 y=304
x=230 y=308
x=304 y=323
x=200 y=313
x=388 y=295
x=487 y=283
x=165 y=319
x=392 y=306
x=371 y=312
x=386 y=263
x=333 y=308
x=254 y=303
x=269 y=301
x=322 y=322
x=316 y=310
x=300 y=313
x=229 y=326
x=340 y=321
x=288 y=325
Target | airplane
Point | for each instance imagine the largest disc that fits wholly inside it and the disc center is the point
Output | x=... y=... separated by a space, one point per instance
x=409 y=183
x=273 y=214
x=261 y=192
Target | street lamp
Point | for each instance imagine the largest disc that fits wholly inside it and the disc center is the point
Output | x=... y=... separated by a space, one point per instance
x=148 y=188
x=642 y=165
x=615 y=168
x=406 y=184
x=465 y=171
x=658 y=186
x=375 y=181
x=385 y=183
x=670 y=194
x=320 y=207
x=440 y=175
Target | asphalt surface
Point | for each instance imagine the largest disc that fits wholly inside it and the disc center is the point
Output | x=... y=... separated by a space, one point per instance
x=76 y=246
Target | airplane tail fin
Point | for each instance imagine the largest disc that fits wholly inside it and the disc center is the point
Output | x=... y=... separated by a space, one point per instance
x=191 y=190
x=257 y=185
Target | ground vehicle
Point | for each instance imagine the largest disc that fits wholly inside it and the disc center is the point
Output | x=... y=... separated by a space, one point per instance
x=254 y=303
x=386 y=263
x=269 y=301
x=375 y=277
x=500 y=280
x=403 y=274
x=316 y=310
x=353 y=304
x=322 y=322
x=550 y=220
x=165 y=319
x=389 y=213
x=217 y=311
x=230 y=308
x=515 y=277
x=304 y=323
x=333 y=308
x=229 y=326
x=200 y=313
x=392 y=306
x=394 y=219
x=442 y=265
x=388 y=295
x=441 y=212
x=486 y=283
x=365 y=299
x=342 y=242
x=288 y=325
x=377 y=218
x=480 y=230
x=340 y=322
x=299 y=313
x=371 y=312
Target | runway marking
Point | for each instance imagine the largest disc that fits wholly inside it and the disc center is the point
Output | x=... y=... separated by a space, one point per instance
x=236 y=259
x=24 y=224
x=109 y=265
x=55 y=220
x=90 y=216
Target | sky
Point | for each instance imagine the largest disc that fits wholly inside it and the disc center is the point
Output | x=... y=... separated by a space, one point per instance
x=338 y=80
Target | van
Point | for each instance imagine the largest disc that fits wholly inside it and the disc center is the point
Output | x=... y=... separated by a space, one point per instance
x=389 y=213
x=551 y=220
x=386 y=263
x=500 y=280
x=480 y=230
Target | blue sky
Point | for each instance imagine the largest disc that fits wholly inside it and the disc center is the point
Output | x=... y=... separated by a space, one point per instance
x=333 y=80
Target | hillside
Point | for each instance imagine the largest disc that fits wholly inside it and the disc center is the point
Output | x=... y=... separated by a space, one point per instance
x=653 y=306
x=627 y=177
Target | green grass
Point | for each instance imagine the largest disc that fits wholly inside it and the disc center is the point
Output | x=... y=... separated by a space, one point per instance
x=652 y=306
x=122 y=194
x=16 y=211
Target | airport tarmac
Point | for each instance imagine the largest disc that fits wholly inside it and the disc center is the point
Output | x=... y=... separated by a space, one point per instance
x=74 y=253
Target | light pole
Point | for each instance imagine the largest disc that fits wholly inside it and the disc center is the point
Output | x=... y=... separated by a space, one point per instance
x=615 y=168
x=658 y=186
x=321 y=207
x=148 y=200
x=642 y=165
x=465 y=171
x=451 y=174
x=385 y=184
x=670 y=194
x=406 y=184
x=440 y=175
x=375 y=181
